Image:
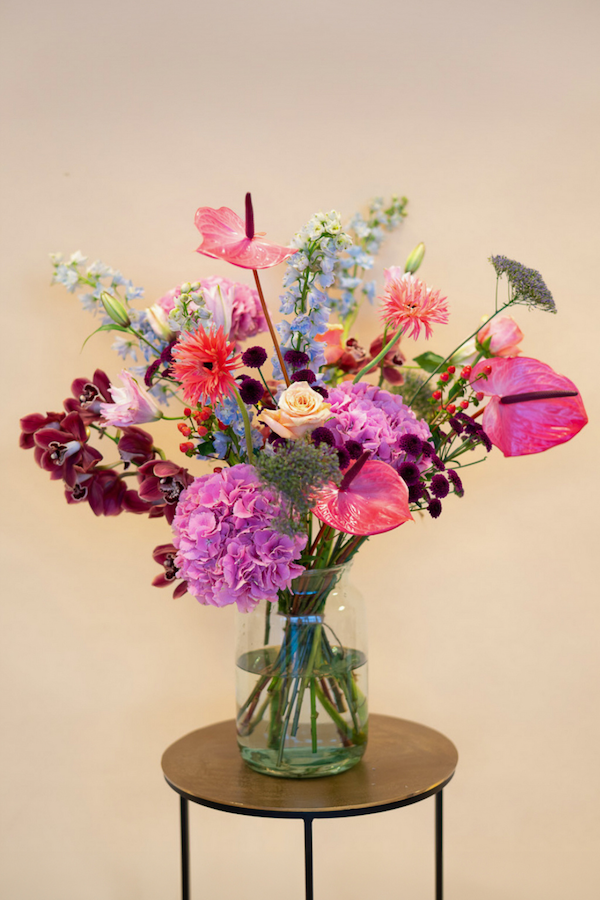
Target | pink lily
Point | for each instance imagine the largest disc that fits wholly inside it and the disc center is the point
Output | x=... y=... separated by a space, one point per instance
x=132 y=404
x=532 y=407
x=371 y=499
x=225 y=236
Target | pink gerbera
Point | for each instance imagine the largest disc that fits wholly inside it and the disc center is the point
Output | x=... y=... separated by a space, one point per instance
x=410 y=303
x=203 y=362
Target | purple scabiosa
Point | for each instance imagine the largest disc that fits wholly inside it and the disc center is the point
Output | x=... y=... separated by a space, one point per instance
x=456 y=425
x=411 y=444
x=439 y=486
x=434 y=508
x=321 y=390
x=251 y=391
x=304 y=375
x=323 y=435
x=254 y=357
x=343 y=457
x=354 y=449
x=409 y=472
x=230 y=549
x=296 y=359
x=456 y=482
x=415 y=492
x=437 y=462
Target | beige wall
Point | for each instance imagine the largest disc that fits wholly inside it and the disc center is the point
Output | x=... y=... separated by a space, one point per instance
x=120 y=119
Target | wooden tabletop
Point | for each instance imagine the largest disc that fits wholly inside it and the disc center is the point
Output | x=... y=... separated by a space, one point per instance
x=404 y=762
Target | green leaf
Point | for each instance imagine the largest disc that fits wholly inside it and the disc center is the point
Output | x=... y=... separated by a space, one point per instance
x=112 y=326
x=428 y=361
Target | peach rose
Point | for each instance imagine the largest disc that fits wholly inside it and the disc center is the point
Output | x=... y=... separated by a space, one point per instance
x=300 y=410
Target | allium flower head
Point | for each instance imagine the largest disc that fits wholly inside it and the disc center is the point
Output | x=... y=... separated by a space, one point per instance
x=203 y=363
x=527 y=285
x=411 y=303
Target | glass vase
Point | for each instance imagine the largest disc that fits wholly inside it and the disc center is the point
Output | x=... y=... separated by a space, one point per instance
x=301 y=678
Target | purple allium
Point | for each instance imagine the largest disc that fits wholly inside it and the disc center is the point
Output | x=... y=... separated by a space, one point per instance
x=434 y=508
x=344 y=457
x=457 y=483
x=229 y=549
x=440 y=486
x=254 y=357
x=410 y=443
x=251 y=391
x=322 y=435
x=354 y=449
x=304 y=375
x=409 y=472
x=296 y=358
x=375 y=419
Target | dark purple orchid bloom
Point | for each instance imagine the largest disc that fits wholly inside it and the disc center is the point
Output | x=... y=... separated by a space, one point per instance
x=34 y=423
x=88 y=395
x=63 y=446
x=161 y=484
x=136 y=446
x=165 y=555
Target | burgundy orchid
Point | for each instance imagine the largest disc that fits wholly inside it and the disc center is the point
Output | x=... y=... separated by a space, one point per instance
x=371 y=499
x=391 y=362
x=532 y=407
x=165 y=555
x=161 y=484
x=88 y=395
x=35 y=422
x=136 y=446
x=226 y=236
x=61 y=447
x=106 y=492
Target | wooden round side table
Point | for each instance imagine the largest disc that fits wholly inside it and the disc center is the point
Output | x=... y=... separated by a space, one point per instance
x=404 y=763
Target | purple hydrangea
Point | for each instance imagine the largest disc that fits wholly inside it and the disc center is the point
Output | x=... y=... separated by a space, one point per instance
x=229 y=548
x=377 y=420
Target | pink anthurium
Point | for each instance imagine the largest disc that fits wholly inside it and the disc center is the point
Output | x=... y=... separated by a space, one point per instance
x=226 y=236
x=371 y=499
x=532 y=407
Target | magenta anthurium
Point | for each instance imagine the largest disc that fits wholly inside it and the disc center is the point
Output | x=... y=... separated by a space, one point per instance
x=226 y=236
x=532 y=407
x=371 y=499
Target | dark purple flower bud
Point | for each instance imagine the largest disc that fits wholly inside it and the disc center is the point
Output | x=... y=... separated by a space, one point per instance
x=296 y=358
x=354 y=448
x=151 y=372
x=456 y=481
x=409 y=473
x=321 y=390
x=410 y=443
x=437 y=462
x=434 y=508
x=251 y=391
x=415 y=492
x=485 y=440
x=304 y=375
x=344 y=457
x=456 y=425
x=254 y=357
x=440 y=486
x=323 y=435
x=427 y=449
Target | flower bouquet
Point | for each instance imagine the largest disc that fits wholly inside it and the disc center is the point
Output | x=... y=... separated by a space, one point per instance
x=332 y=443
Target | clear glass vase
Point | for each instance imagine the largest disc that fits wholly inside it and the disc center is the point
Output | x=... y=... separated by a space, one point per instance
x=301 y=678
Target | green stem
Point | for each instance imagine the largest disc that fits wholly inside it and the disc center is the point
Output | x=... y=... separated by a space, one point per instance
x=379 y=357
x=246 y=418
x=449 y=357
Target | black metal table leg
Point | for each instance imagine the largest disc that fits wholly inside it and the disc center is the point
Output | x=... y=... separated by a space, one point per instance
x=439 y=847
x=185 y=850
x=308 y=857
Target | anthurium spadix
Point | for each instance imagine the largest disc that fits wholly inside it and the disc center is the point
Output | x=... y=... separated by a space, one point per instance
x=371 y=499
x=531 y=407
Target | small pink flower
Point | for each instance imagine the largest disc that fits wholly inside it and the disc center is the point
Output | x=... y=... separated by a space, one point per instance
x=411 y=303
x=504 y=336
x=532 y=408
x=132 y=404
x=225 y=236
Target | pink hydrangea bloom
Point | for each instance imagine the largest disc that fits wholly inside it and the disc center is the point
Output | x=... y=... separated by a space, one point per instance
x=239 y=310
x=375 y=418
x=229 y=550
